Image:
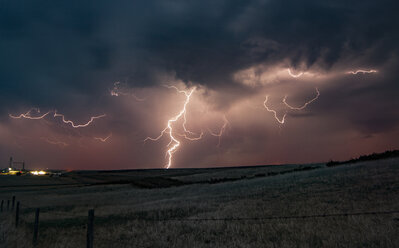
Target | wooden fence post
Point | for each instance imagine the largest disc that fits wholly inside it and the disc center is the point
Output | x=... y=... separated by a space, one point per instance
x=17 y=215
x=13 y=203
x=90 y=229
x=36 y=227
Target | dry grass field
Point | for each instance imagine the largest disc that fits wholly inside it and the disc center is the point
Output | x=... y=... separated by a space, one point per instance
x=200 y=207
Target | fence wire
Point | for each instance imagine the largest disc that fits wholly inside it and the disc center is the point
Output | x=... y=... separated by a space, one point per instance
x=279 y=217
x=23 y=216
x=261 y=218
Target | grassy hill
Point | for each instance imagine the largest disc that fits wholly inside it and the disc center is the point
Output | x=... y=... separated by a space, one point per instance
x=223 y=207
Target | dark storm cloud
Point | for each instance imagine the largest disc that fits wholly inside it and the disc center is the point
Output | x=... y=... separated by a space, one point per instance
x=65 y=55
x=50 y=50
x=368 y=102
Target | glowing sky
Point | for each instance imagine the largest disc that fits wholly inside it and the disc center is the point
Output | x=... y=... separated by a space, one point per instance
x=83 y=84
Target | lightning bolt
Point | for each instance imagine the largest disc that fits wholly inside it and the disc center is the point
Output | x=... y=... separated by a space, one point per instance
x=77 y=125
x=103 y=139
x=304 y=105
x=274 y=111
x=221 y=131
x=293 y=74
x=282 y=120
x=362 y=71
x=28 y=115
x=174 y=143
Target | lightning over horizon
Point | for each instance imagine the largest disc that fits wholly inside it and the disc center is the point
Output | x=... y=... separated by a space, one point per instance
x=174 y=143
x=265 y=75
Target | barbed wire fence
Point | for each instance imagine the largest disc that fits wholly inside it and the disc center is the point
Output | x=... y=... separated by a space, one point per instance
x=20 y=213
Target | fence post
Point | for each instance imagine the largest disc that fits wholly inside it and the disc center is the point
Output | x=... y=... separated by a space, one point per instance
x=17 y=215
x=36 y=227
x=13 y=203
x=1 y=208
x=90 y=229
x=8 y=205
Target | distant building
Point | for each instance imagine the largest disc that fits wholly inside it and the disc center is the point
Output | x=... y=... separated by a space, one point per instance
x=11 y=170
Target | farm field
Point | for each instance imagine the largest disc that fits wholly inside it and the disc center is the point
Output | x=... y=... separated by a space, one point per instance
x=266 y=206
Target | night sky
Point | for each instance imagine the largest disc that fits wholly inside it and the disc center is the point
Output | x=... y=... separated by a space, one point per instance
x=118 y=61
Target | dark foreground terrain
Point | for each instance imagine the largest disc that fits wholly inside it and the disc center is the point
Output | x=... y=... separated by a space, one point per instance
x=271 y=206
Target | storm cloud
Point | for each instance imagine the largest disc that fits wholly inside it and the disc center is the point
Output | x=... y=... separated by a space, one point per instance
x=67 y=57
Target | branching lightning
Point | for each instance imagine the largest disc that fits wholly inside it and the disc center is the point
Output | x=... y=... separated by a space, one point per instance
x=282 y=120
x=274 y=111
x=221 y=131
x=362 y=71
x=77 y=125
x=304 y=105
x=192 y=138
x=28 y=115
x=174 y=143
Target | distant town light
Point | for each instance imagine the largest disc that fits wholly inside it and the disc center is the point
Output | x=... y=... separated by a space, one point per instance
x=38 y=173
